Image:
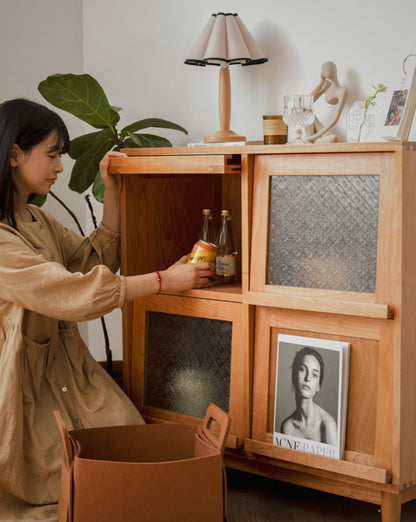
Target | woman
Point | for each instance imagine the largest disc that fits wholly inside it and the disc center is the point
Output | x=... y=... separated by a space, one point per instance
x=50 y=277
x=309 y=420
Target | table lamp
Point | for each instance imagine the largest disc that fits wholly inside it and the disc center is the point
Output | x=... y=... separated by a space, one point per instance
x=225 y=41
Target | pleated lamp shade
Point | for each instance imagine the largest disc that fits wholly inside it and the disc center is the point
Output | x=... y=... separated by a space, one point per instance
x=225 y=41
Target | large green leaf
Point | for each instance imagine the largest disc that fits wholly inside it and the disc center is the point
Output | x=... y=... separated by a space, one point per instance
x=86 y=166
x=151 y=122
x=146 y=141
x=98 y=187
x=80 y=145
x=82 y=96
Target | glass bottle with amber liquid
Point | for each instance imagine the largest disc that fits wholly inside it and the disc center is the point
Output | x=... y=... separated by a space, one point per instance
x=226 y=260
x=205 y=249
x=208 y=232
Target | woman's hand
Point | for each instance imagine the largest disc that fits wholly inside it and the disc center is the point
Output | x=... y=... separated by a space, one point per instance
x=184 y=276
x=112 y=182
x=112 y=186
x=178 y=277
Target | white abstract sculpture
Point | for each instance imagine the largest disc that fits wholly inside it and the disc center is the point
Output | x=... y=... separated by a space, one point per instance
x=334 y=95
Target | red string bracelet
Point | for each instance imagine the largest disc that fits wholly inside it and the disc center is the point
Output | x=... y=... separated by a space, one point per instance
x=159 y=279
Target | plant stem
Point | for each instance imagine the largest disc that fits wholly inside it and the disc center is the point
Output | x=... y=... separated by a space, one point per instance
x=74 y=217
x=370 y=101
x=109 y=355
x=361 y=126
x=94 y=220
x=118 y=140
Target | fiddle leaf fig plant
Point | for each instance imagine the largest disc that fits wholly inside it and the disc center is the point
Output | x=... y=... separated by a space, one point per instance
x=82 y=96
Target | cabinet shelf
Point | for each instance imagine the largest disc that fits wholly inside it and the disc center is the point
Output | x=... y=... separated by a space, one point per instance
x=232 y=292
x=327 y=464
x=321 y=301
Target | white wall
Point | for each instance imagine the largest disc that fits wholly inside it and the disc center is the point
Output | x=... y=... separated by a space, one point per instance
x=136 y=50
x=35 y=45
x=38 y=39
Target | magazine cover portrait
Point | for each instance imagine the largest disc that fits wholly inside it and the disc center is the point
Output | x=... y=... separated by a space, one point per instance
x=311 y=392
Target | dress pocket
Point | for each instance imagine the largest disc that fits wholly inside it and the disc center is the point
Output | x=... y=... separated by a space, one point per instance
x=35 y=357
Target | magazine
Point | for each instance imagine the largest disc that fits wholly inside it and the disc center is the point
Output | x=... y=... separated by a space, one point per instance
x=311 y=395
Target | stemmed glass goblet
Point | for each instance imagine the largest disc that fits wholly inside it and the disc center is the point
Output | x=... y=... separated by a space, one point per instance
x=298 y=112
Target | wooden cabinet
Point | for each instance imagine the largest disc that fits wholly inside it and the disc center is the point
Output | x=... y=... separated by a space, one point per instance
x=326 y=236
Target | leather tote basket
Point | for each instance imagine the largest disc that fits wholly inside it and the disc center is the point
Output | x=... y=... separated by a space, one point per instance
x=149 y=472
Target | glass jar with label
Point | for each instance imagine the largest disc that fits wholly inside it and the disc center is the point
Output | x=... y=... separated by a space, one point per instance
x=274 y=129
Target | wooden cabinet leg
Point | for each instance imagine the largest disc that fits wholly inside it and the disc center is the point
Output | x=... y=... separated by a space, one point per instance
x=391 y=507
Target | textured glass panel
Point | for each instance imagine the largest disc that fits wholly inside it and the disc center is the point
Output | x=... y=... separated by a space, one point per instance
x=187 y=363
x=323 y=232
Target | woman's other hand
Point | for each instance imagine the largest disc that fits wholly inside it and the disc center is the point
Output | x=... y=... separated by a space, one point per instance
x=112 y=182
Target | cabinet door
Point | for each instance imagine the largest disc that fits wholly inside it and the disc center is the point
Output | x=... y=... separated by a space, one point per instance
x=187 y=353
x=370 y=414
x=328 y=233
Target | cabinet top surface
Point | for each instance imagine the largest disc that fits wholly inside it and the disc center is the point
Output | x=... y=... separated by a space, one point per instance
x=258 y=148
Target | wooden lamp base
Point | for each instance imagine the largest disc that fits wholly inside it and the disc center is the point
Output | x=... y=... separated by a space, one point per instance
x=222 y=136
x=224 y=106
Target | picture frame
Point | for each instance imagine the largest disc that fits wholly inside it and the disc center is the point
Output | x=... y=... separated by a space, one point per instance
x=311 y=395
x=399 y=109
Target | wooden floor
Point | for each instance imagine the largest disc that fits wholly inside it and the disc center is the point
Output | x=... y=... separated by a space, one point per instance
x=252 y=498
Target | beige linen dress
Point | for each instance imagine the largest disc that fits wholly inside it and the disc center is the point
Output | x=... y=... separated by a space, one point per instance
x=50 y=277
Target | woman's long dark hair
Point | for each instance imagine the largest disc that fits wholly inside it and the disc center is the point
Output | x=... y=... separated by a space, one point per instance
x=27 y=124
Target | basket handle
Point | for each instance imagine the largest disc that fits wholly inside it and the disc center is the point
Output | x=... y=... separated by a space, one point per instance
x=214 y=413
x=70 y=445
